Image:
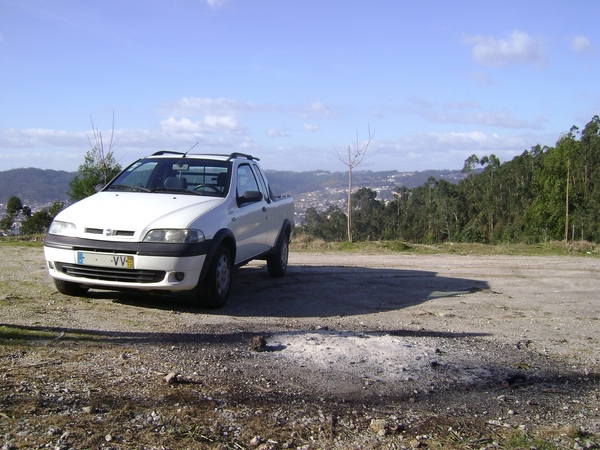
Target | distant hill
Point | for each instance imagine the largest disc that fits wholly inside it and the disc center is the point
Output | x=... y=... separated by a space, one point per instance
x=295 y=183
x=37 y=187
x=320 y=189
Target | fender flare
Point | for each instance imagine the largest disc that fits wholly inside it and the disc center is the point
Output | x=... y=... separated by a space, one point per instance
x=287 y=228
x=223 y=235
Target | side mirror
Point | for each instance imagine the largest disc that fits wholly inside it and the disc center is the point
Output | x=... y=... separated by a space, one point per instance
x=250 y=197
x=99 y=187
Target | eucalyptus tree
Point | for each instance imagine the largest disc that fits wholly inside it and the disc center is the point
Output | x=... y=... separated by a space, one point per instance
x=546 y=216
x=586 y=183
x=368 y=215
x=396 y=213
x=329 y=225
x=446 y=197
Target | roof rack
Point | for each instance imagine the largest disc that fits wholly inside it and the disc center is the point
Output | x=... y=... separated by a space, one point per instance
x=167 y=152
x=243 y=155
x=229 y=157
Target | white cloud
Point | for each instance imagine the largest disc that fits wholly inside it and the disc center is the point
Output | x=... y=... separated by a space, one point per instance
x=215 y=3
x=223 y=123
x=501 y=119
x=217 y=128
x=580 y=44
x=198 y=106
x=423 y=151
x=41 y=137
x=317 y=110
x=467 y=112
x=272 y=132
x=184 y=125
x=190 y=106
x=481 y=78
x=421 y=102
x=209 y=124
x=62 y=150
x=463 y=105
x=518 y=48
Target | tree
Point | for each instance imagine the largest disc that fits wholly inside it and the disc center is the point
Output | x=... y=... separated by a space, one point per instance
x=352 y=158
x=31 y=223
x=445 y=197
x=546 y=216
x=99 y=166
x=6 y=223
x=546 y=193
x=586 y=182
x=39 y=222
x=14 y=207
x=397 y=214
x=570 y=143
x=470 y=163
x=368 y=217
x=491 y=190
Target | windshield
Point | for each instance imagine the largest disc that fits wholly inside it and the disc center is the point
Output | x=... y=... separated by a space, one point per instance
x=188 y=176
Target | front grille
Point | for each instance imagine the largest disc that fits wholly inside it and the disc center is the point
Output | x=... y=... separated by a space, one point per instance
x=124 y=233
x=112 y=274
x=114 y=233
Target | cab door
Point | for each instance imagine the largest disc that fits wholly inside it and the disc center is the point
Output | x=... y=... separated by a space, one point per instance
x=250 y=226
x=274 y=222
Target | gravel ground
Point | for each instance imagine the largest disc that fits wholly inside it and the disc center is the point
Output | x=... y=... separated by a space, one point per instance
x=346 y=351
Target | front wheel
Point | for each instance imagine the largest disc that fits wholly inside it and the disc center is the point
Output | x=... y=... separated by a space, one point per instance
x=214 y=291
x=277 y=262
x=68 y=288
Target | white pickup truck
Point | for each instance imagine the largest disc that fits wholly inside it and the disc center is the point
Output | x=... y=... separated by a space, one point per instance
x=172 y=222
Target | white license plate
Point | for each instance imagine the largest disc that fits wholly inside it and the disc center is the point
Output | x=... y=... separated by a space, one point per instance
x=105 y=260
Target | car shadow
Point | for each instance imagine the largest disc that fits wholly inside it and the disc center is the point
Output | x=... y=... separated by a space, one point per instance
x=316 y=291
x=43 y=335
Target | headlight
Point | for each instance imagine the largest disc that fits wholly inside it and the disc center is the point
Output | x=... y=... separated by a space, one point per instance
x=174 y=236
x=62 y=228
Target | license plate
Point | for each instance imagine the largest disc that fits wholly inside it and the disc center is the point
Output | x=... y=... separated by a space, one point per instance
x=105 y=260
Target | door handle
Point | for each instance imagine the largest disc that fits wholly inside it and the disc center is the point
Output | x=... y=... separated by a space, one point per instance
x=264 y=209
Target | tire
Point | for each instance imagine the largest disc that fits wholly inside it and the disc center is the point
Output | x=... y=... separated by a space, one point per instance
x=69 y=288
x=277 y=262
x=214 y=291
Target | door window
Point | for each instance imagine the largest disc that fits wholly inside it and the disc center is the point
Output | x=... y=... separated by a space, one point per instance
x=245 y=180
x=263 y=184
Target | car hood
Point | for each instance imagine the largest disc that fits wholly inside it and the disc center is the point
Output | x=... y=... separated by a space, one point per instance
x=129 y=215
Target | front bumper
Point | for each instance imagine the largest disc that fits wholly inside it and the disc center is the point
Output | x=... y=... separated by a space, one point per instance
x=167 y=267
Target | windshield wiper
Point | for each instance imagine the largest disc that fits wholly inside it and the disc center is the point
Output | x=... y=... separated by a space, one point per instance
x=182 y=190
x=129 y=188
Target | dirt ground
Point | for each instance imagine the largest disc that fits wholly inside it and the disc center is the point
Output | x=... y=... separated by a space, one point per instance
x=347 y=350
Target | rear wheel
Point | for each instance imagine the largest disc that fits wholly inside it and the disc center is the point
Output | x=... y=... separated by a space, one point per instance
x=277 y=263
x=214 y=291
x=69 y=288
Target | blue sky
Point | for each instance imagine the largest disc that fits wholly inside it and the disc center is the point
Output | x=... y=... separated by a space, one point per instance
x=292 y=82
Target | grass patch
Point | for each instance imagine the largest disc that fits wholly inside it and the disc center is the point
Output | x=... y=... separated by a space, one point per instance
x=307 y=243
x=35 y=240
x=303 y=242
x=25 y=334
x=521 y=440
